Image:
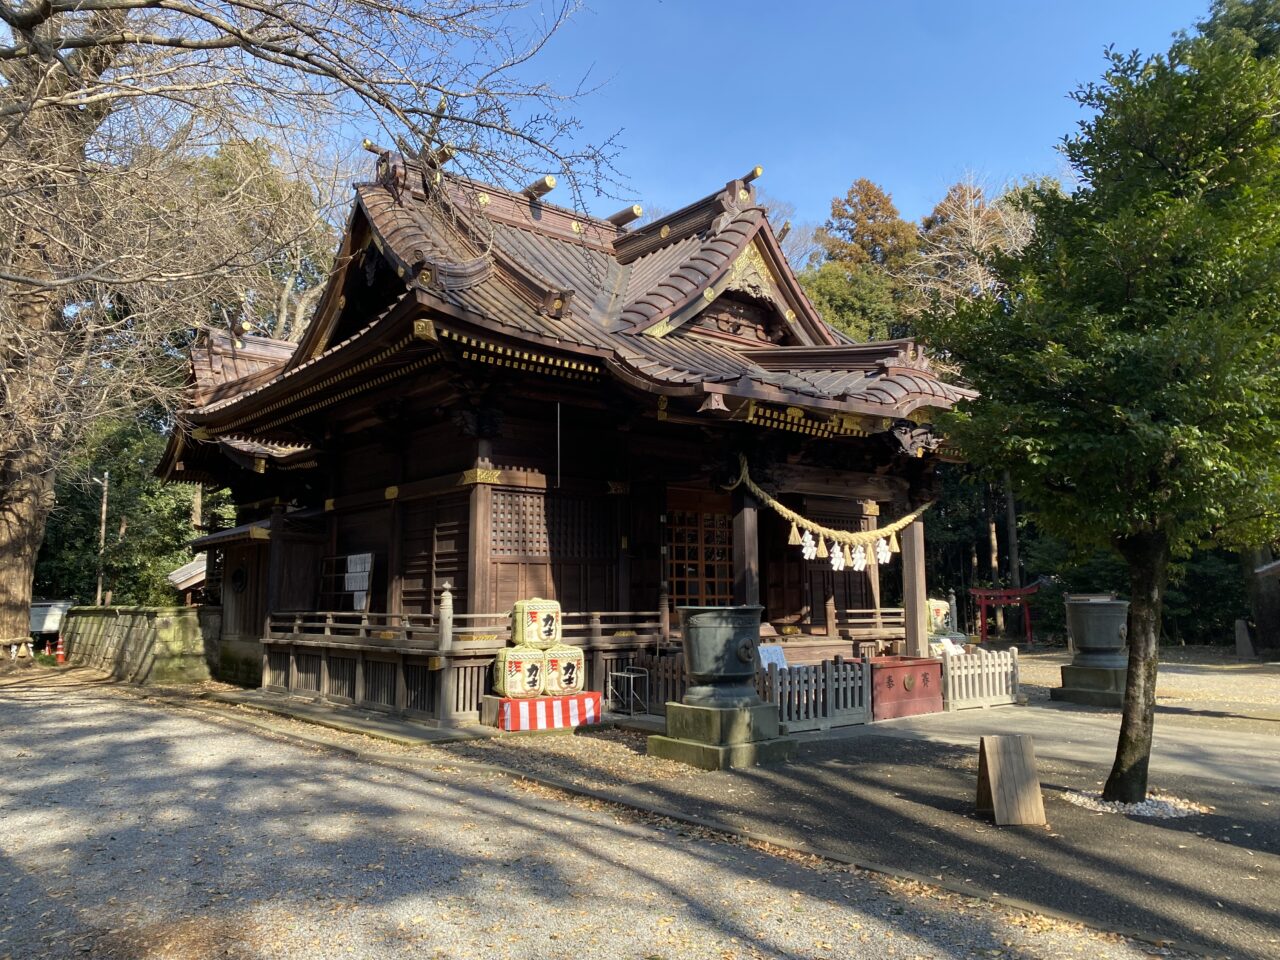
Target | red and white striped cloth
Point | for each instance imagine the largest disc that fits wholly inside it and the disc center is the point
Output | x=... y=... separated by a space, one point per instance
x=549 y=713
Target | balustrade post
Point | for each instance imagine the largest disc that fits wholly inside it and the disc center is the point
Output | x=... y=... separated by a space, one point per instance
x=664 y=608
x=595 y=629
x=444 y=616
x=447 y=693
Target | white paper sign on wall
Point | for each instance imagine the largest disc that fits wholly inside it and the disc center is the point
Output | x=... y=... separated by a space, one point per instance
x=772 y=653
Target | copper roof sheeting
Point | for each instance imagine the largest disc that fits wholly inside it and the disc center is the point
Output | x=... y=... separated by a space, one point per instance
x=258 y=386
x=547 y=275
x=245 y=533
x=223 y=365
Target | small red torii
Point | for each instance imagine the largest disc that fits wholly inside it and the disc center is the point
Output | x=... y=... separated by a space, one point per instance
x=1003 y=597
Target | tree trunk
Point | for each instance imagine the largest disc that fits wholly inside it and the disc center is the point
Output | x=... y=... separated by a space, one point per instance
x=1264 y=598
x=993 y=540
x=1011 y=532
x=24 y=507
x=1015 y=561
x=1147 y=557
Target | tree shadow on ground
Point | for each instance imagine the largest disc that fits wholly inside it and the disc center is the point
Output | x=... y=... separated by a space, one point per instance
x=144 y=833
x=908 y=805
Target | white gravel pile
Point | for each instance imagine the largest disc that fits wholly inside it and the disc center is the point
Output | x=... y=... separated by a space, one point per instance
x=1160 y=806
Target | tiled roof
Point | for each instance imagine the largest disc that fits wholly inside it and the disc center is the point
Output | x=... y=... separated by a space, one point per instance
x=530 y=270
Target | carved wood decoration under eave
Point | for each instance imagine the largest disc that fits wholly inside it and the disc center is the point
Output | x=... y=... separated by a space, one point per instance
x=750 y=274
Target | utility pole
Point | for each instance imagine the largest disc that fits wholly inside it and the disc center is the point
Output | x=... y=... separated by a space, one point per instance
x=102 y=532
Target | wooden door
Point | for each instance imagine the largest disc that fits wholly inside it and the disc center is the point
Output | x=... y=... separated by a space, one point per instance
x=699 y=548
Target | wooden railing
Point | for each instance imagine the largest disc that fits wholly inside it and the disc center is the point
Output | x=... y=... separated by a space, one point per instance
x=883 y=623
x=438 y=666
x=818 y=696
x=350 y=629
x=625 y=627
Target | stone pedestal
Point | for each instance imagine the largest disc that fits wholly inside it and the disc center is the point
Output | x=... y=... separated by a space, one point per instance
x=717 y=738
x=1093 y=686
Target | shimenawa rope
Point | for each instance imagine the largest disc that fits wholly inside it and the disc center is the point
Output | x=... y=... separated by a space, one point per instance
x=851 y=538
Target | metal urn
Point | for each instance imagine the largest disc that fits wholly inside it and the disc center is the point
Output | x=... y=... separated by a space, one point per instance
x=720 y=655
x=1099 y=632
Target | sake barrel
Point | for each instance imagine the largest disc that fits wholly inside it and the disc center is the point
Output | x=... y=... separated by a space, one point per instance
x=519 y=671
x=536 y=623
x=565 y=672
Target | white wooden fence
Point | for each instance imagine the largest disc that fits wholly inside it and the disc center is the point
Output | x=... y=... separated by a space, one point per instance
x=834 y=693
x=979 y=679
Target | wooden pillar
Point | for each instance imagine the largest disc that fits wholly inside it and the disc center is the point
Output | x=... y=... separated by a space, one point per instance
x=395 y=537
x=478 y=587
x=915 y=609
x=395 y=561
x=746 y=548
x=871 y=511
x=275 y=562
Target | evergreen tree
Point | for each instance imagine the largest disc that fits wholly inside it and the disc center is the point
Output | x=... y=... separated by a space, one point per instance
x=1128 y=369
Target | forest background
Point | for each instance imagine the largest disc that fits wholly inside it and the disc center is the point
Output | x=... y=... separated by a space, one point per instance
x=869 y=271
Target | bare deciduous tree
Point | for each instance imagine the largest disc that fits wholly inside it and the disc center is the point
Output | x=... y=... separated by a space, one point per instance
x=953 y=259
x=799 y=242
x=143 y=148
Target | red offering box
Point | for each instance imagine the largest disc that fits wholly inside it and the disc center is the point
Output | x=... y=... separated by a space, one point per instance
x=549 y=713
x=905 y=686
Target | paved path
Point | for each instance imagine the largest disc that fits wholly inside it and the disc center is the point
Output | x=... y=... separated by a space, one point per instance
x=906 y=804
x=133 y=831
x=1183 y=747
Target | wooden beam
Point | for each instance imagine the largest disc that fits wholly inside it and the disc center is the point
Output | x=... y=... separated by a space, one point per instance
x=914 y=606
x=825 y=482
x=626 y=215
x=540 y=187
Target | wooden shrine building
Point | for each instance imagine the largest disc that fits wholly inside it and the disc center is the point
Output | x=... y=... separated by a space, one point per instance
x=506 y=399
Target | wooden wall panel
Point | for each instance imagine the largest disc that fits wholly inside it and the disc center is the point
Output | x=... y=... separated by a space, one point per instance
x=366 y=531
x=557 y=546
x=365 y=467
x=244 y=610
x=436 y=450
x=434 y=539
x=300 y=579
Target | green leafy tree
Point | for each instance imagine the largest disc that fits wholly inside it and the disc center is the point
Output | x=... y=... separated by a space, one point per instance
x=865 y=227
x=1129 y=371
x=148 y=522
x=858 y=299
x=295 y=209
x=860 y=284
x=1257 y=21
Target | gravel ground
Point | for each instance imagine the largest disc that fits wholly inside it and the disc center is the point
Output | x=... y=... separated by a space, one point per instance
x=1188 y=676
x=129 y=830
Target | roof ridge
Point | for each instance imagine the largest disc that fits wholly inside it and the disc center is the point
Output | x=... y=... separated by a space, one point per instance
x=713 y=258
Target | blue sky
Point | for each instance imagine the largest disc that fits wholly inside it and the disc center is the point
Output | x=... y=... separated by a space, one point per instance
x=910 y=93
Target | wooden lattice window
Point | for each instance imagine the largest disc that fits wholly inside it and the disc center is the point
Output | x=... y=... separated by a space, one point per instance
x=538 y=525
x=700 y=556
x=346 y=583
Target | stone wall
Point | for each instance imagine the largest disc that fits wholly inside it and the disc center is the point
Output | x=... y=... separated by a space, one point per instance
x=144 y=644
x=238 y=660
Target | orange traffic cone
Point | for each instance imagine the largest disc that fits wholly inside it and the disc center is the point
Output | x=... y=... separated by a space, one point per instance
x=62 y=653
